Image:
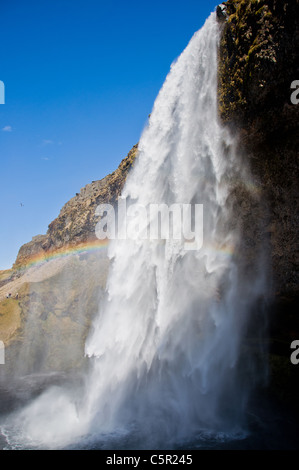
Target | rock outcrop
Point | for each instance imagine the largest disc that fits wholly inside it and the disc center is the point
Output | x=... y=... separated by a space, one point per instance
x=77 y=220
x=258 y=64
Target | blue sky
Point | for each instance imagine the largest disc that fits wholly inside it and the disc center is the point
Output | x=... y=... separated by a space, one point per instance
x=80 y=79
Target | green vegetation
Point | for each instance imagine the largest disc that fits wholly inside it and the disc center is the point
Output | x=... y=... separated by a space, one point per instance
x=250 y=30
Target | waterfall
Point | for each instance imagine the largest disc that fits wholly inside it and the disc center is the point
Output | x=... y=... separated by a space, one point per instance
x=165 y=347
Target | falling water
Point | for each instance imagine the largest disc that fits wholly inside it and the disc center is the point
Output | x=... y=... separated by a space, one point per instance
x=165 y=347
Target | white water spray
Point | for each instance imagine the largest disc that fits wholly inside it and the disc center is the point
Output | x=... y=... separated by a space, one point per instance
x=166 y=344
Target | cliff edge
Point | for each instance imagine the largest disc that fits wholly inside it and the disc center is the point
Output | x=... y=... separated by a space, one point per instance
x=77 y=220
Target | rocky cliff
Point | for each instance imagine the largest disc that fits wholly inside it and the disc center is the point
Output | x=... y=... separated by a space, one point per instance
x=258 y=63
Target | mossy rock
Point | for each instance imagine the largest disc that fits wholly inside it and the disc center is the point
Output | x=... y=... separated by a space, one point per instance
x=10 y=319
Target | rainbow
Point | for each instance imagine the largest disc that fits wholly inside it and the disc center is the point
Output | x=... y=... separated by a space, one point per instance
x=95 y=246
x=226 y=250
x=251 y=186
x=63 y=252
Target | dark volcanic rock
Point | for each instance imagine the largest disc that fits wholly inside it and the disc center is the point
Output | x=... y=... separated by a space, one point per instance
x=258 y=63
